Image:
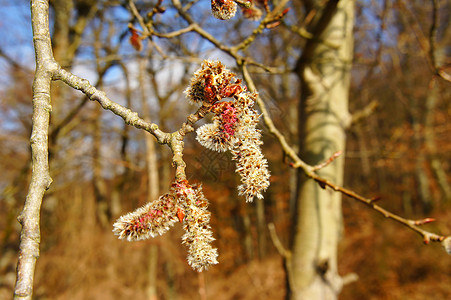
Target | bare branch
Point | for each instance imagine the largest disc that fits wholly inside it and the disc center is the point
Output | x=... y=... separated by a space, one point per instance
x=30 y=235
x=433 y=45
x=270 y=124
x=130 y=117
x=277 y=243
x=328 y=161
x=433 y=34
x=270 y=18
x=309 y=171
x=147 y=28
x=428 y=50
x=173 y=140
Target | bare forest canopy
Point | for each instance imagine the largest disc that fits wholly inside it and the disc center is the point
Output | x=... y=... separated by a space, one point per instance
x=237 y=124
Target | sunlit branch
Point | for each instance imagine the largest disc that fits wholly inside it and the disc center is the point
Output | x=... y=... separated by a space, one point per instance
x=232 y=51
x=275 y=15
x=270 y=124
x=176 y=33
x=173 y=140
x=147 y=29
x=30 y=235
x=93 y=93
x=309 y=171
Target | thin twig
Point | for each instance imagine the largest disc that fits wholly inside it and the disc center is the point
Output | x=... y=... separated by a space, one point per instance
x=173 y=140
x=327 y=162
x=309 y=171
x=271 y=17
x=277 y=243
x=147 y=29
x=433 y=34
x=130 y=117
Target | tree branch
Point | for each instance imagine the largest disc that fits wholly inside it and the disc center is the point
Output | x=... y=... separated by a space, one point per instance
x=130 y=117
x=310 y=172
x=30 y=235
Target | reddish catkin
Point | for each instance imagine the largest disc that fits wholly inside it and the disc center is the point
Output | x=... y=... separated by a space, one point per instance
x=208 y=84
x=184 y=203
x=150 y=220
x=135 y=40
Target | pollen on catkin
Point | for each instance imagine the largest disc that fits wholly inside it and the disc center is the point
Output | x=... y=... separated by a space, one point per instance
x=198 y=234
x=220 y=135
x=150 y=220
x=234 y=128
x=223 y=9
x=208 y=83
x=184 y=203
x=250 y=162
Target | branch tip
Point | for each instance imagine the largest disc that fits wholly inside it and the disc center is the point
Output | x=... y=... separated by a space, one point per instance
x=375 y=199
x=424 y=221
x=328 y=161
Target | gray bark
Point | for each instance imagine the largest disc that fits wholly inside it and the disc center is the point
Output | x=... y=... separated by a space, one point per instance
x=30 y=235
x=324 y=71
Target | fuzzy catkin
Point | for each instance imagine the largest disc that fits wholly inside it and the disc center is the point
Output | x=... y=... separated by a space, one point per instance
x=198 y=234
x=208 y=82
x=250 y=162
x=223 y=9
x=150 y=220
x=184 y=203
x=233 y=127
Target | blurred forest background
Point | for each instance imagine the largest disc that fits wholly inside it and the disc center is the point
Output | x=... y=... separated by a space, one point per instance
x=399 y=150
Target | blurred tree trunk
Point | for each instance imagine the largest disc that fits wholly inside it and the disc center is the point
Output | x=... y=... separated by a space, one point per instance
x=420 y=166
x=261 y=229
x=103 y=208
x=324 y=72
x=431 y=146
x=153 y=183
x=248 y=240
x=119 y=188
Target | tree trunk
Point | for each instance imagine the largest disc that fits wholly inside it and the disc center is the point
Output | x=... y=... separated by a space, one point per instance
x=431 y=146
x=324 y=71
x=153 y=184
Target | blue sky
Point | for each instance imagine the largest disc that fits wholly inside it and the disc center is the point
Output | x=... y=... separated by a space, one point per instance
x=15 y=32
